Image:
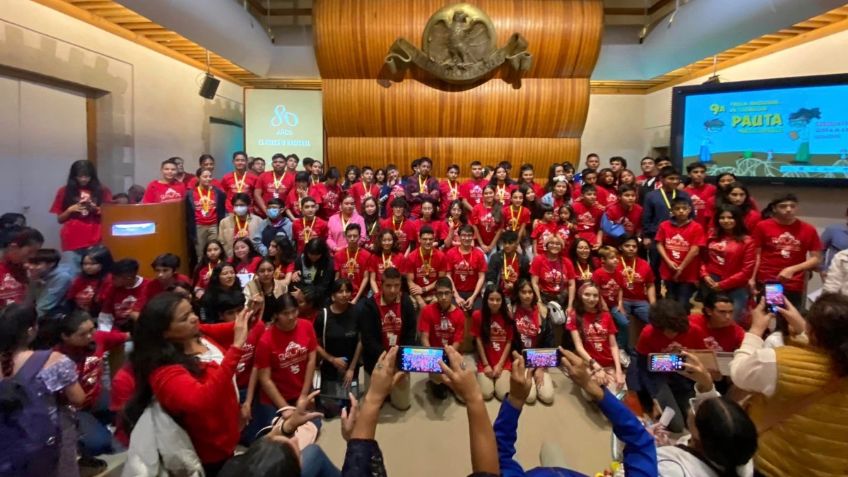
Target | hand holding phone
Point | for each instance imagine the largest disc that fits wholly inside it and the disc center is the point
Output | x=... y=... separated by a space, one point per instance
x=666 y=362
x=420 y=359
x=541 y=357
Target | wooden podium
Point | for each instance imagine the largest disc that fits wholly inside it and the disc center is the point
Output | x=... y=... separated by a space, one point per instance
x=145 y=231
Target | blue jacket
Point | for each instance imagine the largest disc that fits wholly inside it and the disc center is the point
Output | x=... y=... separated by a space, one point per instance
x=655 y=211
x=640 y=454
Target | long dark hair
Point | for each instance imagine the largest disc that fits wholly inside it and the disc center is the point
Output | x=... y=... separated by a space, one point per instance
x=497 y=206
x=727 y=435
x=739 y=230
x=264 y=457
x=316 y=246
x=746 y=206
x=204 y=260
x=15 y=322
x=215 y=286
x=486 y=314
x=251 y=250
x=580 y=307
x=72 y=188
x=370 y=220
x=101 y=255
x=151 y=351
x=286 y=251
x=463 y=219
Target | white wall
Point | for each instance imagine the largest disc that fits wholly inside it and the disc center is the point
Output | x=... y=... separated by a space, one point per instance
x=613 y=128
x=148 y=101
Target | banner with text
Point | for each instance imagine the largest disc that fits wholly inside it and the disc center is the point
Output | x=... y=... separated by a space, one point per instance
x=284 y=121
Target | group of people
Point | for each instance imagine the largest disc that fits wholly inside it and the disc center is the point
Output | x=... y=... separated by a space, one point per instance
x=301 y=279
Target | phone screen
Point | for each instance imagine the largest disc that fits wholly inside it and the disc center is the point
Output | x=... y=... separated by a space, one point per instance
x=418 y=359
x=666 y=362
x=774 y=296
x=541 y=357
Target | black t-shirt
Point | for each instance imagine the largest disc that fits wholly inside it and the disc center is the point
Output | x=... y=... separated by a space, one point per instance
x=342 y=336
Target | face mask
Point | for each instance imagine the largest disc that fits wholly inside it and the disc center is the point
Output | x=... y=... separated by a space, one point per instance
x=240 y=209
x=273 y=213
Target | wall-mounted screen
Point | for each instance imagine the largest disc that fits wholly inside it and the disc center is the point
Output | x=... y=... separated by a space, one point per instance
x=782 y=131
x=133 y=229
x=284 y=121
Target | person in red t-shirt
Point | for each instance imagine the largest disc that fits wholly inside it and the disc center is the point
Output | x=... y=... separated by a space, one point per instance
x=471 y=190
x=285 y=359
x=587 y=215
x=728 y=259
x=466 y=269
x=299 y=191
x=331 y=194
x=364 y=189
x=273 y=184
x=429 y=217
x=310 y=225
x=679 y=240
x=507 y=266
x=213 y=255
x=205 y=208
x=534 y=331
x=77 y=207
x=423 y=266
x=610 y=281
x=737 y=194
x=245 y=257
x=493 y=330
x=89 y=288
x=502 y=184
x=639 y=292
x=593 y=332
x=566 y=228
x=552 y=275
x=700 y=193
x=487 y=218
x=788 y=247
x=239 y=181
x=668 y=332
x=722 y=332
x=544 y=228
x=456 y=218
x=125 y=299
x=352 y=263
x=165 y=266
x=441 y=324
x=449 y=191
x=401 y=225
x=386 y=257
x=526 y=175
x=166 y=189
x=626 y=212
x=606 y=188
x=516 y=216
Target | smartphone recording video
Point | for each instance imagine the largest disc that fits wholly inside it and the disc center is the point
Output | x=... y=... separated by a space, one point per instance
x=541 y=357
x=774 y=297
x=418 y=359
x=665 y=362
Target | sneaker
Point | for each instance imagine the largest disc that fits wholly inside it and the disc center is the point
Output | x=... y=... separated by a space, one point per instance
x=624 y=358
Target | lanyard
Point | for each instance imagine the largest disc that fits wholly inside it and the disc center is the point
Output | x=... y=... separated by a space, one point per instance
x=278 y=182
x=629 y=272
x=387 y=261
x=239 y=183
x=665 y=197
x=241 y=230
x=307 y=235
x=205 y=200
x=454 y=190
x=422 y=184
x=584 y=274
x=396 y=226
x=425 y=265
x=508 y=266
x=351 y=264
x=514 y=220
x=342 y=220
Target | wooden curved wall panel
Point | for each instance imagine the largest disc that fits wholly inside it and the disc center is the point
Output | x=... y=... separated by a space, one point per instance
x=352 y=37
x=541 y=152
x=539 y=108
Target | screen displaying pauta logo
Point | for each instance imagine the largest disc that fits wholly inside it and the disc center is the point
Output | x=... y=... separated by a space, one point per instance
x=459 y=47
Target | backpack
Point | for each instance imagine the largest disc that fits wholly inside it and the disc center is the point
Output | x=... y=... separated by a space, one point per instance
x=29 y=437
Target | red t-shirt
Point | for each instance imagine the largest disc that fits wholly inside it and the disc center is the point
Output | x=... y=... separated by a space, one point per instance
x=609 y=283
x=426 y=269
x=595 y=335
x=405 y=230
x=448 y=193
x=203 y=275
x=588 y=220
x=783 y=246
x=204 y=207
x=514 y=219
x=155 y=287
x=606 y=196
x=502 y=193
x=727 y=338
x=352 y=266
x=510 y=273
x=677 y=242
x=701 y=198
x=637 y=275
x=90 y=362
x=246 y=267
x=88 y=291
x=529 y=325
x=158 y=192
x=274 y=186
x=192 y=183
x=13 y=283
x=81 y=230
x=653 y=340
x=439 y=227
x=542 y=232
x=443 y=328
x=120 y=302
x=378 y=263
x=465 y=267
x=287 y=354
x=233 y=184
x=305 y=229
x=631 y=219
x=331 y=199
x=293 y=199
x=391 y=322
x=553 y=275
x=245 y=364
x=487 y=226
x=472 y=190
x=359 y=194
x=500 y=335
x=730 y=260
x=566 y=233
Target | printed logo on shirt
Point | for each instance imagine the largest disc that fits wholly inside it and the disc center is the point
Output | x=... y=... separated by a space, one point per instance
x=463 y=270
x=476 y=194
x=678 y=246
x=488 y=222
x=586 y=220
x=125 y=307
x=85 y=296
x=717 y=250
x=609 y=290
x=527 y=329
x=292 y=357
x=10 y=289
x=786 y=243
x=170 y=195
x=497 y=335
x=712 y=343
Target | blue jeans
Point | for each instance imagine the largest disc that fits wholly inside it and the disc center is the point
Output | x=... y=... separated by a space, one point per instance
x=262 y=415
x=315 y=463
x=639 y=309
x=681 y=292
x=94 y=437
x=622 y=323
